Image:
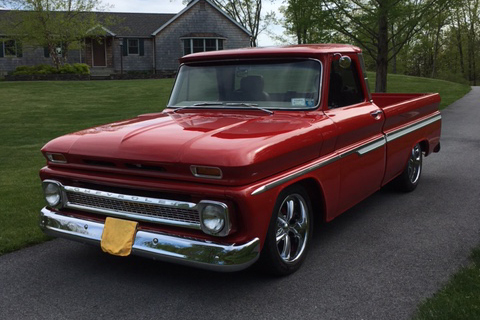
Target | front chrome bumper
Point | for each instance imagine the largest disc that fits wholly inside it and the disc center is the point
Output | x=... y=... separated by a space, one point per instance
x=192 y=252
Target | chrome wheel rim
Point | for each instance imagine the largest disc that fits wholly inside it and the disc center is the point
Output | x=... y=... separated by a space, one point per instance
x=415 y=164
x=292 y=228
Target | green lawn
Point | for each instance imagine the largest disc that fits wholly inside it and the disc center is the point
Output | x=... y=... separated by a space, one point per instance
x=459 y=299
x=449 y=91
x=32 y=113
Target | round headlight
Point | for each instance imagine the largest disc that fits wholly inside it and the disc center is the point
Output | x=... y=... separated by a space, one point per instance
x=52 y=193
x=213 y=218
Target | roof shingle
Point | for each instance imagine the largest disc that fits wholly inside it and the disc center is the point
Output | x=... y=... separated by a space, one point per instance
x=125 y=24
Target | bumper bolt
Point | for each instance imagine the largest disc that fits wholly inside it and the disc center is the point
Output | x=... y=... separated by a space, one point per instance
x=155 y=240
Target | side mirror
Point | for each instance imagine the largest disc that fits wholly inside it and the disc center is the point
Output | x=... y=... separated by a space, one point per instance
x=345 y=62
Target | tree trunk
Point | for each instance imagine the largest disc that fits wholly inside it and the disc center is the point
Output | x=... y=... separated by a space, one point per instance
x=53 y=54
x=473 y=20
x=382 y=51
x=435 y=49
x=459 y=43
x=394 y=58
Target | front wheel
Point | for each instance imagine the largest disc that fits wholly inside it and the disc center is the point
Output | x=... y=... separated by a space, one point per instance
x=408 y=180
x=289 y=232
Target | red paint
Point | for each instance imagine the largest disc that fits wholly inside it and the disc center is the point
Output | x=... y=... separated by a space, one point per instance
x=252 y=148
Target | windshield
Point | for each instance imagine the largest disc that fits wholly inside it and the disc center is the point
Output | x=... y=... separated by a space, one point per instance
x=268 y=85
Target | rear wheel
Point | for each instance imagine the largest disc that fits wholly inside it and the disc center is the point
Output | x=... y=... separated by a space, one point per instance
x=289 y=232
x=408 y=180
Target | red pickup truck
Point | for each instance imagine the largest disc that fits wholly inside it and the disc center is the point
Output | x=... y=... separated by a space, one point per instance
x=253 y=147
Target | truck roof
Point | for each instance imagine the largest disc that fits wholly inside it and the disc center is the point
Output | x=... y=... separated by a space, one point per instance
x=303 y=50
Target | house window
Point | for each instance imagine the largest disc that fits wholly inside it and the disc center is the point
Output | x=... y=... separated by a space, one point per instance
x=133 y=46
x=10 y=48
x=201 y=44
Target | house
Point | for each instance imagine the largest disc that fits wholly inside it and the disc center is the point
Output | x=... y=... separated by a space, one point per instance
x=141 y=42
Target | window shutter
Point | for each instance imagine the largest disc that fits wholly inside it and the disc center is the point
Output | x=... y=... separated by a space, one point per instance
x=125 y=47
x=1 y=48
x=46 y=52
x=141 y=47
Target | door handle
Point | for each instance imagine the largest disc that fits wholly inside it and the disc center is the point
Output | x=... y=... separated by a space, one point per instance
x=376 y=113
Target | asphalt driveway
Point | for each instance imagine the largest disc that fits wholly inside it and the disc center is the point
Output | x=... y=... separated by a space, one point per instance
x=377 y=261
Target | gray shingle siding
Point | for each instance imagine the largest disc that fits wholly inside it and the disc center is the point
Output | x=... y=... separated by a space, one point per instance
x=195 y=20
x=134 y=62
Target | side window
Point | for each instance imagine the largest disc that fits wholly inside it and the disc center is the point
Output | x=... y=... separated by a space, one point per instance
x=345 y=86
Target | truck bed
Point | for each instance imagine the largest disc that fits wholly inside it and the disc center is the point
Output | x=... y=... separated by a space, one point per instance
x=402 y=108
x=404 y=113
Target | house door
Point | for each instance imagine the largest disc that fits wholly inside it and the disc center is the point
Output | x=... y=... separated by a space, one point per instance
x=99 y=53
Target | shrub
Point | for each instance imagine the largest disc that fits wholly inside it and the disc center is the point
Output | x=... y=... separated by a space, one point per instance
x=77 y=68
x=66 y=68
x=81 y=68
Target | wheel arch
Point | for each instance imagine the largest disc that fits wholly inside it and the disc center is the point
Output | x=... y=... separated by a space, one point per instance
x=425 y=145
x=316 y=196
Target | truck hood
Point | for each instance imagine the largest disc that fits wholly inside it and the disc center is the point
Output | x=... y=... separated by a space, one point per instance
x=246 y=145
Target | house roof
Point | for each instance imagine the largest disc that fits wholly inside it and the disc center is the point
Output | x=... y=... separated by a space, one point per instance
x=190 y=5
x=133 y=24
x=122 y=24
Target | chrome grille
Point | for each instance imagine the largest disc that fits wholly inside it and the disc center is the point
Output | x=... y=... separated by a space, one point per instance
x=132 y=207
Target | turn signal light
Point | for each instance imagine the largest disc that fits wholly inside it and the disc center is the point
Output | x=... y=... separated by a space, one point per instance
x=206 y=172
x=56 y=157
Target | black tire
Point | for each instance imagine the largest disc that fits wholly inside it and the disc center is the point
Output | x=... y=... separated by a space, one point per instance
x=289 y=233
x=408 y=180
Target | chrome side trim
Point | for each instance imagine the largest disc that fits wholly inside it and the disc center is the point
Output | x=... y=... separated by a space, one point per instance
x=409 y=129
x=158 y=246
x=372 y=146
x=368 y=147
x=362 y=150
x=295 y=175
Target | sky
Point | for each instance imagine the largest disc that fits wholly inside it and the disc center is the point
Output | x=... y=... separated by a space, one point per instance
x=175 y=6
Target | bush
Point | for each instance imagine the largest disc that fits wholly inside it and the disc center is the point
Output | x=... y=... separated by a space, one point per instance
x=77 y=68
x=66 y=68
x=81 y=68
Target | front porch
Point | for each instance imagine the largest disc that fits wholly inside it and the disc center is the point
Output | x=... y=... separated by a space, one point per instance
x=99 y=55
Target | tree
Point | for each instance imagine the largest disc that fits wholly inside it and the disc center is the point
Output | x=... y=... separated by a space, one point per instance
x=367 y=23
x=307 y=21
x=249 y=14
x=471 y=21
x=52 y=24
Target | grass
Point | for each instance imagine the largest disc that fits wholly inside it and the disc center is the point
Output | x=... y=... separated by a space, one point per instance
x=459 y=299
x=32 y=113
x=449 y=91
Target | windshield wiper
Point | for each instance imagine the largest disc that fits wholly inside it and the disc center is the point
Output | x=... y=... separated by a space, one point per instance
x=228 y=104
x=199 y=104
x=208 y=104
x=251 y=105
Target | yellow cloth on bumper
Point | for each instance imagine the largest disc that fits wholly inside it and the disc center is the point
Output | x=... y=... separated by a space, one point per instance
x=118 y=236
